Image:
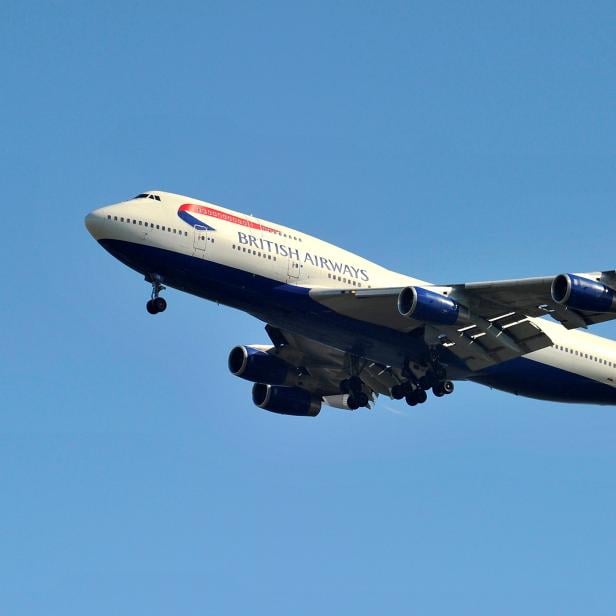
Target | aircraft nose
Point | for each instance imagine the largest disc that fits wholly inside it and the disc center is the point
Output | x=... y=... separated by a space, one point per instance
x=94 y=223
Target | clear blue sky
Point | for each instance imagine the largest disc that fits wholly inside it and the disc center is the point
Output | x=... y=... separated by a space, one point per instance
x=451 y=141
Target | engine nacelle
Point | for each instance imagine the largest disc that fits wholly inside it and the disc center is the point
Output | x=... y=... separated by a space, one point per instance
x=338 y=401
x=257 y=366
x=583 y=294
x=286 y=400
x=423 y=305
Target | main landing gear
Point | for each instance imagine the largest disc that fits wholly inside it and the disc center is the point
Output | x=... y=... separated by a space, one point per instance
x=416 y=393
x=354 y=387
x=156 y=304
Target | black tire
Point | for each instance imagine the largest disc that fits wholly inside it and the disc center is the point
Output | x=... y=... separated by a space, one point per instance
x=397 y=392
x=421 y=396
x=352 y=403
x=160 y=304
x=411 y=399
x=447 y=387
x=437 y=390
x=150 y=307
x=362 y=399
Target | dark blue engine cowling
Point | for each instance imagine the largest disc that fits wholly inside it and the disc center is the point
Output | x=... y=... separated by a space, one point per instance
x=257 y=366
x=583 y=294
x=423 y=305
x=286 y=400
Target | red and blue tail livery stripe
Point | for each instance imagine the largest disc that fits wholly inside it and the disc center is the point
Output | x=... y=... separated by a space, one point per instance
x=204 y=210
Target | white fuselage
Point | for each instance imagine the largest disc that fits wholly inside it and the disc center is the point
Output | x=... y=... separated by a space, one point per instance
x=271 y=251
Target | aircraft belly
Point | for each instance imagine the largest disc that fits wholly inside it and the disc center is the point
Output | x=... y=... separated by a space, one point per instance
x=534 y=379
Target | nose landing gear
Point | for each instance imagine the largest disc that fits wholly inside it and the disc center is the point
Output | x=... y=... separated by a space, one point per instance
x=156 y=304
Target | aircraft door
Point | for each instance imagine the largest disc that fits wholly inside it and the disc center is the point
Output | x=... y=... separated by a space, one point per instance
x=293 y=270
x=200 y=240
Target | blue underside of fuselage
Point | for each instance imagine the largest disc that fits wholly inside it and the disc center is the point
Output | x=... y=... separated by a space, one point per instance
x=290 y=307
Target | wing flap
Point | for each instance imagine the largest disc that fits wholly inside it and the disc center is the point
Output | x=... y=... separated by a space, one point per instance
x=328 y=366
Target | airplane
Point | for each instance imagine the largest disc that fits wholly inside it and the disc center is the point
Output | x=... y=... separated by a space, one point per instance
x=344 y=330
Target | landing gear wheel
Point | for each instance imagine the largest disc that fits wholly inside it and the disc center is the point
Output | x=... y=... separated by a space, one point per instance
x=352 y=403
x=156 y=304
x=159 y=303
x=150 y=307
x=362 y=399
x=417 y=396
x=447 y=387
x=397 y=392
x=410 y=399
x=438 y=390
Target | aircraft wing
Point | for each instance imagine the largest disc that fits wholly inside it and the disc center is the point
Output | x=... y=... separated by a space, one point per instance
x=532 y=296
x=500 y=326
x=325 y=367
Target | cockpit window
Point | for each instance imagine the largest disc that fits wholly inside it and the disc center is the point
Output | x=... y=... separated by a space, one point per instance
x=147 y=196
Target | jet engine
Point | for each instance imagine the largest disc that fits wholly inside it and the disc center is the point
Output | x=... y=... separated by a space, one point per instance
x=583 y=294
x=286 y=400
x=257 y=365
x=423 y=305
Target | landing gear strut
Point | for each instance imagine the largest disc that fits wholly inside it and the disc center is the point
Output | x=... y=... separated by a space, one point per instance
x=156 y=304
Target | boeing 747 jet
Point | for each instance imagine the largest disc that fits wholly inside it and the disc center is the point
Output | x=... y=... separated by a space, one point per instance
x=344 y=330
